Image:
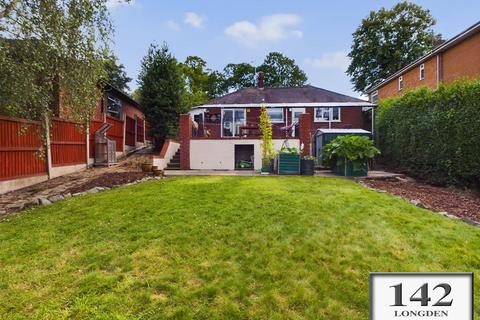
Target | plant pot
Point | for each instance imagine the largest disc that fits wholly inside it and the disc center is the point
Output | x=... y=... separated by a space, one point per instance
x=288 y=164
x=154 y=168
x=351 y=168
x=265 y=170
x=158 y=172
x=307 y=167
x=272 y=165
x=147 y=167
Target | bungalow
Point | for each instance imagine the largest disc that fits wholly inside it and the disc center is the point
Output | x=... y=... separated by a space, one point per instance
x=224 y=132
x=451 y=60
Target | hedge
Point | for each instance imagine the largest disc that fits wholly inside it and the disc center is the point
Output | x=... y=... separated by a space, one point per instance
x=433 y=135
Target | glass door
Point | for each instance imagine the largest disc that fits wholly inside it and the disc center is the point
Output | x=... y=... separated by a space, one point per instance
x=232 y=120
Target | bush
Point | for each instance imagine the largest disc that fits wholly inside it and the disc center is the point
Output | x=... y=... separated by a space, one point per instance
x=433 y=135
x=352 y=148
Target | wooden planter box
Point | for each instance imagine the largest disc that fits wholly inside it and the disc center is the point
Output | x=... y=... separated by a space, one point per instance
x=288 y=164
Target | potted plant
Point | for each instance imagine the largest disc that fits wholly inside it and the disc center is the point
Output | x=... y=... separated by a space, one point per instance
x=147 y=165
x=288 y=161
x=267 y=141
x=307 y=166
x=349 y=155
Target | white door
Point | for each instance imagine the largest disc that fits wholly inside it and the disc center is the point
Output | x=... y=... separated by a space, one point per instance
x=296 y=112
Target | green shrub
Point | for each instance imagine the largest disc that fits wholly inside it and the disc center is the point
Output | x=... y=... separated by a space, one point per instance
x=433 y=135
x=350 y=148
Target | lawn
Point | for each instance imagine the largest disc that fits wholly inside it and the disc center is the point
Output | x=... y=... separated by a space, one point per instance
x=221 y=248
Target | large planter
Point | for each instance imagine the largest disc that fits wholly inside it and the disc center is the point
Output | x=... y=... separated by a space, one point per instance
x=288 y=164
x=351 y=168
x=307 y=167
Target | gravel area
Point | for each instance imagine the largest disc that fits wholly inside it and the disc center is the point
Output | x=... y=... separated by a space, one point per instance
x=460 y=203
x=93 y=180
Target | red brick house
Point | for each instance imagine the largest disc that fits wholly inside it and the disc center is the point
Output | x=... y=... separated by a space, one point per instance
x=454 y=59
x=225 y=130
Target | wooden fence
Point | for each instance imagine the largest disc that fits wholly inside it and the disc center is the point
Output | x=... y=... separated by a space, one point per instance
x=130 y=132
x=140 y=133
x=23 y=153
x=116 y=132
x=68 y=143
x=21 y=149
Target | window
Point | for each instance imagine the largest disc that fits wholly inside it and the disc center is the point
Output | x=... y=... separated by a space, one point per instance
x=275 y=114
x=374 y=96
x=114 y=106
x=327 y=114
x=400 y=83
x=422 y=71
x=232 y=120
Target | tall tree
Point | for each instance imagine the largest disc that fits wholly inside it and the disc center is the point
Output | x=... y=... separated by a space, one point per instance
x=281 y=71
x=116 y=74
x=50 y=47
x=239 y=75
x=161 y=88
x=388 y=40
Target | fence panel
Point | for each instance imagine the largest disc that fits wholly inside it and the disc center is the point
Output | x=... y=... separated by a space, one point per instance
x=94 y=125
x=140 y=135
x=130 y=132
x=68 y=145
x=116 y=132
x=20 y=149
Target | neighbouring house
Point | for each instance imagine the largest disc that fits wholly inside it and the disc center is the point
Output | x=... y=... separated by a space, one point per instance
x=224 y=132
x=451 y=60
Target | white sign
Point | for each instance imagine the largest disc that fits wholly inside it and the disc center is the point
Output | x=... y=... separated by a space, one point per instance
x=426 y=296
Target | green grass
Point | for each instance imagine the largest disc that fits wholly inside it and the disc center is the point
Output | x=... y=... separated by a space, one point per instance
x=221 y=248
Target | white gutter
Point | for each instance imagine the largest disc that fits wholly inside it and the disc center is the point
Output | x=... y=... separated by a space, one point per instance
x=288 y=105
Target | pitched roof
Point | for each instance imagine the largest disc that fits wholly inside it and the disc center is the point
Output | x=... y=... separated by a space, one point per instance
x=443 y=47
x=305 y=94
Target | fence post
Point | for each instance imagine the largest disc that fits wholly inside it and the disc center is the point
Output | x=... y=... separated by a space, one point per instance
x=87 y=143
x=48 y=147
x=124 y=149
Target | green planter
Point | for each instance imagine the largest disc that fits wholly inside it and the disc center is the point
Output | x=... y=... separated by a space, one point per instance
x=353 y=168
x=288 y=164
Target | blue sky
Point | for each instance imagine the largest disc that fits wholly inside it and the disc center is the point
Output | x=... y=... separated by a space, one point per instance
x=317 y=34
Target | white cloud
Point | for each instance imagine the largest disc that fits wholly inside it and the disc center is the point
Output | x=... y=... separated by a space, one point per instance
x=172 y=25
x=270 y=29
x=114 y=4
x=332 y=60
x=195 y=20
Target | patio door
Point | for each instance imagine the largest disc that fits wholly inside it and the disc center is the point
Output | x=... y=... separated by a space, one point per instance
x=296 y=112
x=232 y=120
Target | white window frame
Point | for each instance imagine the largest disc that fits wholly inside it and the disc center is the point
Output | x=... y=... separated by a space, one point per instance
x=400 y=83
x=292 y=113
x=283 y=115
x=374 y=94
x=316 y=119
x=422 y=71
x=233 y=121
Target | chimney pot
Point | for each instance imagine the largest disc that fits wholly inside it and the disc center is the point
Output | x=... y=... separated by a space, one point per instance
x=261 y=80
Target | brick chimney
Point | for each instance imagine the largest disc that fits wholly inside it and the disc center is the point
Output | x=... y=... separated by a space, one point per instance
x=261 y=80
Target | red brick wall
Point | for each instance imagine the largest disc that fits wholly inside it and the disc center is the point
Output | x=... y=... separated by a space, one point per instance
x=462 y=60
x=305 y=127
x=185 y=136
x=457 y=62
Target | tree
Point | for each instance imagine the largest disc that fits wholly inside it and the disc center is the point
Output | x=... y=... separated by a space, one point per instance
x=388 y=40
x=161 y=88
x=116 y=75
x=241 y=75
x=51 y=55
x=281 y=71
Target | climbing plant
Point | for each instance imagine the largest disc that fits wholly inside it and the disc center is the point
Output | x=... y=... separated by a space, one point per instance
x=267 y=141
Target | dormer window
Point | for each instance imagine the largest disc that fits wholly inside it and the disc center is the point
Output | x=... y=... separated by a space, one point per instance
x=422 y=71
x=400 y=83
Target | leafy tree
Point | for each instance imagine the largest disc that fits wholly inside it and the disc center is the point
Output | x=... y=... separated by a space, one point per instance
x=216 y=84
x=281 y=71
x=239 y=75
x=388 y=40
x=116 y=74
x=161 y=88
x=51 y=54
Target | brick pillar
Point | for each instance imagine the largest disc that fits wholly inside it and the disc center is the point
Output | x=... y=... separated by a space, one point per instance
x=185 y=136
x=305 y=122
